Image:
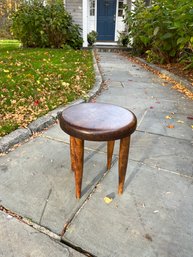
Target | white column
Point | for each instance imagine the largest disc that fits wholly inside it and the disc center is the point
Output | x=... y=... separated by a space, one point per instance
x=85 y=22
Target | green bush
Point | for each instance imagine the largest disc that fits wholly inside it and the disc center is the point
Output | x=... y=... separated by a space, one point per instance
x=39 y=25
x=163 y=30
x=123 y=38
x=92 y=37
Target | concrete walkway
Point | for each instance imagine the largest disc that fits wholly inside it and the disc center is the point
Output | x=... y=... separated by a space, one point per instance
x=39 y=215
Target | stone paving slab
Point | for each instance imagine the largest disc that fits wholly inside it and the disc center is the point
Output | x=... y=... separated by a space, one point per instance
x=126 y=75
x=37 y=183
x=139 y=101
x=150 y=219
x=20 y=240
x=118 y=67
x=56 y=133
x=155 y=121
x=156 y=150
x=167 y=153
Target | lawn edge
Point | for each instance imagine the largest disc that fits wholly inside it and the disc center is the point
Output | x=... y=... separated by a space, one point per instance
x=21 y=134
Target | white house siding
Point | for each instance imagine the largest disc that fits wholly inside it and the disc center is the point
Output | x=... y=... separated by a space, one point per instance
x=74 y=7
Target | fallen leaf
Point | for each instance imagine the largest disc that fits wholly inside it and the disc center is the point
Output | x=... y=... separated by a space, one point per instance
x=190 y=117
x=148 y=237
x=192 y=126
x=168 y=117
x=170 y=126
x=108 y=200
x=151 y=107
x=180 y=121
x=36 y=103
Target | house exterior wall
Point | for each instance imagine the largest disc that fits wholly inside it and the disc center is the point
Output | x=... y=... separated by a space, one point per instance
x=74 y=7
x=80 y=11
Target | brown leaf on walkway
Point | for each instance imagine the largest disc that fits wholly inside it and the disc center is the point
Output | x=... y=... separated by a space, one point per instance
x=148 y=237
x=190 y=117
x=170 y=126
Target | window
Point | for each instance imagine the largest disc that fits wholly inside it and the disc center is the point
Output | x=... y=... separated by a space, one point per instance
x=92 y=7
x=120 y=8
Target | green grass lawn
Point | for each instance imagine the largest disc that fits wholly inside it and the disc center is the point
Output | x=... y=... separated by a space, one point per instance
x=35 y=81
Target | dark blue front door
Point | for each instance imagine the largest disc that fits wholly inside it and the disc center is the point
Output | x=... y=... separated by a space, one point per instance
x=106 y=13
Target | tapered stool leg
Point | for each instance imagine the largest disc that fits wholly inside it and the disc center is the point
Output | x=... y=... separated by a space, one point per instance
x=110 y=148
x=72 y=147
x=123 y=160
x=77 y=158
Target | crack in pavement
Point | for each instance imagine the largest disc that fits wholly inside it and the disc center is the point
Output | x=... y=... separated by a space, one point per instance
x=68 y=223
x=45 y=205
x=46 y=231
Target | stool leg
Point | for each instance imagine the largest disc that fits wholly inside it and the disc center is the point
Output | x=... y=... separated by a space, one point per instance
x=110 y=148
x=77 y=163
x=123 y=159
x=72 y=153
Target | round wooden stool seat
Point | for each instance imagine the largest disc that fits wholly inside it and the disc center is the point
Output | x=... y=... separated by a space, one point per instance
x=98 y=122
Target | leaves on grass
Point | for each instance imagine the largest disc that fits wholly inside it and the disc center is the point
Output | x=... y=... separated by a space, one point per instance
x=6 y=71
x=34 y=81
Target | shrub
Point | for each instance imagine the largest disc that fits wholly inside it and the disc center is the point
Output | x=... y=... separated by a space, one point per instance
x=162 y=30
x=92 y=37
x=39 y=25
x=123 y=38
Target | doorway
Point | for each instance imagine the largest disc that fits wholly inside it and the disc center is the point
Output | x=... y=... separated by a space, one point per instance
x=106 y=15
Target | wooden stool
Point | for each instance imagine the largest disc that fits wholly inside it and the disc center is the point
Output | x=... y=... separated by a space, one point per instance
x=98 y=122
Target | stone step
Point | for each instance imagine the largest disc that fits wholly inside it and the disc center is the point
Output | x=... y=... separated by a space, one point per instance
x=114 y=48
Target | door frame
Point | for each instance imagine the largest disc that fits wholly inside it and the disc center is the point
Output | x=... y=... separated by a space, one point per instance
x=91 y=23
